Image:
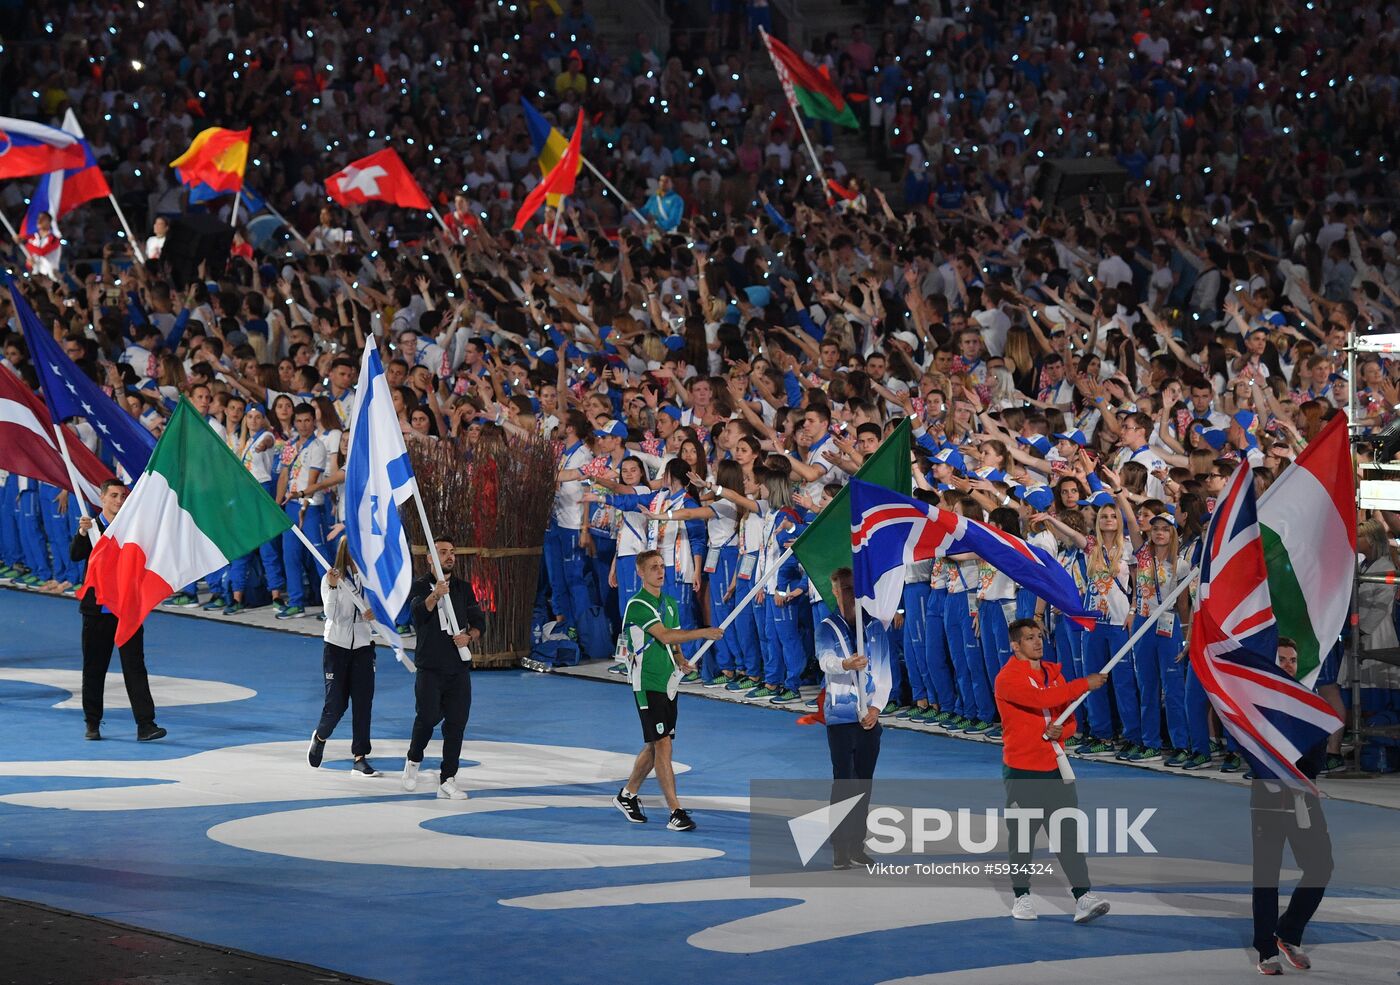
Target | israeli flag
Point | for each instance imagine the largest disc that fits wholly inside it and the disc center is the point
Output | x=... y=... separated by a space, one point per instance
x=378 y=478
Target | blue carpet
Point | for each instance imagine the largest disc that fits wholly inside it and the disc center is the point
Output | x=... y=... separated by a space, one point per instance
x=245 y=846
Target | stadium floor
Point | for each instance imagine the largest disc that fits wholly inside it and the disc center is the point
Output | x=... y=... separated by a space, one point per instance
x=221 y=833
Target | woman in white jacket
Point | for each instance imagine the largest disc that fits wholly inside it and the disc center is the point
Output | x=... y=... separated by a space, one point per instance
x=348 y=662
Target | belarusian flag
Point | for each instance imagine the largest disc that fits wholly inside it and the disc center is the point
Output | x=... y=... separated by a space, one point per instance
x=826 y=544
x=810 y=88
x=193 y=510
x=1308 y=520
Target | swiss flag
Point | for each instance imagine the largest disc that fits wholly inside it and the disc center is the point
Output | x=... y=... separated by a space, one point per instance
x=381 y=177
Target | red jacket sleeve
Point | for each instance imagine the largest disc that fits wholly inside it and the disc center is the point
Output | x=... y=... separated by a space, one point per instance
x=1019 y=690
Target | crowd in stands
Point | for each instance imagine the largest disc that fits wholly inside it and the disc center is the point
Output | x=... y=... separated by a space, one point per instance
x=1086 y=375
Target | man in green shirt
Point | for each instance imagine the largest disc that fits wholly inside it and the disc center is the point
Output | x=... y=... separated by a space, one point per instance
x=651 y=633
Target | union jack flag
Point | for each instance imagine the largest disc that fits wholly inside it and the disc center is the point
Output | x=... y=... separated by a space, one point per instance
x=1234 y=647
x=890 y=531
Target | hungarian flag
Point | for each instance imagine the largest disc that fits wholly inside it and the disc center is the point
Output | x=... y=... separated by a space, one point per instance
x=826 y=543
x=193 y=510
x=808 y=87
x=559 y=181
x=28 y=446
x=381 y=177
x=1308 y=519
x=217 y=157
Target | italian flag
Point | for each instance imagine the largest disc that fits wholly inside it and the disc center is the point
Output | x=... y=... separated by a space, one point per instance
x=193 y=510
x=808 y=87
x=1308 y=521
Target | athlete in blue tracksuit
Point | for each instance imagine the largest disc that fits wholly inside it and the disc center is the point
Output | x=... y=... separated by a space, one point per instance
x=1157 y=655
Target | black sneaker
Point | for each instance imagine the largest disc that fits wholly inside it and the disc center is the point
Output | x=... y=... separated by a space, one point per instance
x=860 y=856
x=680 y=821
x=630 y=806
x=150 y=733
x=92 y=734
x=361 y=767
x=315 y=751
x=840 y=862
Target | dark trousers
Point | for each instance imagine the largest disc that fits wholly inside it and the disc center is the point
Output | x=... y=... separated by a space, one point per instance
x=1050 y=793
x=349 y=679
x=99 y=636
x=446 y=697
x=854 y=752
x=1312 y=850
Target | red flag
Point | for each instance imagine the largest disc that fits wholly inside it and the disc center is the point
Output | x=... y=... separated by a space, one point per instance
x=381 y=177
x=559 y=181
x=28 y=446
x=840 y=189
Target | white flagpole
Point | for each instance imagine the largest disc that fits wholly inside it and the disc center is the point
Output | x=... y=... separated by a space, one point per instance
x=73 y=478
x=558 y=219
x=359 y=600
x=433 y=209
x=1127 y=647
x=861 y=702
x=136 y=249
x=453 y=626
x=237 y=198
x=609 y=186
x=796 y=114
x=743 y=603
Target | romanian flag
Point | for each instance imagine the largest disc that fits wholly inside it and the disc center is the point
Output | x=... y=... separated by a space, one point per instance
x=557 y=183
x=217 y=158
x=548 y=143
x=808 y=87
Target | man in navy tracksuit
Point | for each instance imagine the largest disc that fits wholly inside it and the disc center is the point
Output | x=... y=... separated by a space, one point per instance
x=442 y=690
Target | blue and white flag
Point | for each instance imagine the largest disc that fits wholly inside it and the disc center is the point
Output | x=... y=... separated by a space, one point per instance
x=378 y=479
x=70 y=393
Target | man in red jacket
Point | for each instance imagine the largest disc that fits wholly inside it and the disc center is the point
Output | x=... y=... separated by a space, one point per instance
x=1030 y=695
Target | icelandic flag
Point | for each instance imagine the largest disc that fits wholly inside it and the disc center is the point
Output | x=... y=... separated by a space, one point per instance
x=378 y=479
x=60 y=192
x=70 y=393
x=28 y=148
x=1234 y=646
x=889 y=531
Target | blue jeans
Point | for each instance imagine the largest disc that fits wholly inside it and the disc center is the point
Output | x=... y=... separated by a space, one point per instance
x=31 y=535
x=942 y=687
x=724 y=655
x=1161 y=680
x=11 y=550
x=975 y=689
x=996 y=644
x=1099 y=647
x=300 y=566
x=58 y=532
x=564 y=567
x=1197 y=715
x=916 y=598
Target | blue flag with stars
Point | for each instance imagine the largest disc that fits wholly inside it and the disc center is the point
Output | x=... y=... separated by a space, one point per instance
x=70 y=393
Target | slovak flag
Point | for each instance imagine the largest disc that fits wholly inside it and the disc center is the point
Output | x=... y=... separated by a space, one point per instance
x=1234 y=647
x=889 y=531
x=29 y=148
x=381 y=177
x=60 y=192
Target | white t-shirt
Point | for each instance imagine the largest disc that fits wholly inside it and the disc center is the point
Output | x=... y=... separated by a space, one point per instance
x=311 y=457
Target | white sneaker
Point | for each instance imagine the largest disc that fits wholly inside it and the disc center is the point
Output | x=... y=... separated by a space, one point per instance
x=450 y=791
x=1089 y=907
x=1023 y=908
x=410 y=775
